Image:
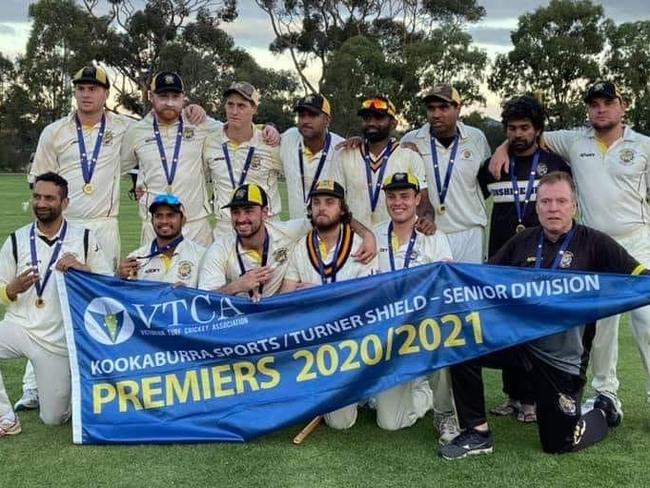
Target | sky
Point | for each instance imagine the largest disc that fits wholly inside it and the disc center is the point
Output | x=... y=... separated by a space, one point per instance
x=252 y=29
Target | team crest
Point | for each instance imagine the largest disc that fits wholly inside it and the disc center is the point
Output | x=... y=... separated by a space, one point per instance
x=567 y=404
x=256 y=162
x=414 y=255
x=169 y=79
x=184 y=270
x=188 y=133
x=108 y=138
x=241 y=193
x=467 y=154
x=542 y=169
x=626 y=156
x=280 y=255
x=567 y=259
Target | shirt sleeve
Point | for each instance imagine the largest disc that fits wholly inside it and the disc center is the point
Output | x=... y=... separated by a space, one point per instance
x=333 y=170
x=293 y=268
x=8 y=270
x=213 y=267
x=484 y=147
x=128 y=157
x=45 y=157
x=559 y=142
x=296 y=229
x=611 y=257
x=418 y=168
x=484 y=178
x=96 y=259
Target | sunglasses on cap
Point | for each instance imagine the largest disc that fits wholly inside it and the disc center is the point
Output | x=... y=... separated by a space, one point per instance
x=376 y=103
x=167 y=199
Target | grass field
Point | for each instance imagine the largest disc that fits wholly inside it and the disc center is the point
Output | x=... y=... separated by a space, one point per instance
x=362 y=456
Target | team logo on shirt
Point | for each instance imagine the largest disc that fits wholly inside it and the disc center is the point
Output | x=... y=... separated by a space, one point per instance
x=256 y=162
x=467 y=154
x=188 y=133
x=108 y=138
x=567 y=259
x=414 y=255
x=184 y=270
x=542 y=169
x=567 y=404
x=280 y=255
x=107 y=321
x=626 y=156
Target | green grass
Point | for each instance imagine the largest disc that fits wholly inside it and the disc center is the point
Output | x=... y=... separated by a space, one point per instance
x=362 y=456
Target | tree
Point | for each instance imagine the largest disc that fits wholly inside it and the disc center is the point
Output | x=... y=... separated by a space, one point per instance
x=556 y=51
x=628 y=62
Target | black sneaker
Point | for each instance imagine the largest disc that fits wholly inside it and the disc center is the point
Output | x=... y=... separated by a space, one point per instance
x=611 y=405
x=469 y=443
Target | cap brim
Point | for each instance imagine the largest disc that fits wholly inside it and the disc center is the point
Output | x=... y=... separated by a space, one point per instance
x=230 y=91
x=400 y=186
x=91 y=81
x=308 y=108
x=177 y=208
x=242 y=204
x=330 y=193
x=441 y=98
x=367 y=111
x=166 y=90
x=608 y=96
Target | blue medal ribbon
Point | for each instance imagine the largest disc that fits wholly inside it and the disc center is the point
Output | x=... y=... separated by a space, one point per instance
x=441 y=186
x=374 y=193
x=521 y=209
x=319 y=168
x=169 y=174
x=40 y=285
x=155 y=250
x=321 y=265
x=88 y=168
x=265 y=258
x=409 y=249
x=563 y=247
x=244 y=173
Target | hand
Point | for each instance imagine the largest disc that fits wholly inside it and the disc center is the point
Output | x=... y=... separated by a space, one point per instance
x=271 y=136
x=303 y=285
x=68 y=262
x=350 y=143
x=499 y=161
x=410 y=145
x=21 y=283
x=179 y=284
x=368 y=249
x=139 y=192
x=128 y=269
x=425 y=226
x=195 y=114
x=252 y=279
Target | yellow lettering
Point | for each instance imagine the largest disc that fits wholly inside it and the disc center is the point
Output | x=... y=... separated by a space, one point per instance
x=174 y=389
x=127 y=391
x=103 y=393
x=245 y=373
x=221 y=378
x=263 y=367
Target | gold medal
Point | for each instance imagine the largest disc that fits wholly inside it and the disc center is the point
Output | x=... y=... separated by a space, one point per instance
x=40 y=303
x=168 y=189
x=442 y=209
x=520 y=228
x=88 y=189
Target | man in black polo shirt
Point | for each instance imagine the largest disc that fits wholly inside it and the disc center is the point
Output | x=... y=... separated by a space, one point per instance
x=513 y=210
x=553 y=363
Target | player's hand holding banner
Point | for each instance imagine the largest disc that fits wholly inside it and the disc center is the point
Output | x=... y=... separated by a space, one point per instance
x=154 y=363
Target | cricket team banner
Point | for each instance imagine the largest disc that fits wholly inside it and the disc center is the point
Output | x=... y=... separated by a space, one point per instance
x=155 y=363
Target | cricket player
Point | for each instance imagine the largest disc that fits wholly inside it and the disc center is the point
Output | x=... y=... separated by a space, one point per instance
x=402 y=246
x=611 y=166
x=168 y=149
x=361 y=170
x=169 y=257
x=307 y=150
x=453 y=153
x=33 y=325
x=325 y=256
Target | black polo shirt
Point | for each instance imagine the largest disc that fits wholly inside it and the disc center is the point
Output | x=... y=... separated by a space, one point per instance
x=589 y=250
x=503 y=221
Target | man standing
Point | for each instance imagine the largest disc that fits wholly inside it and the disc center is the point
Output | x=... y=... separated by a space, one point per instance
x=237 y=154
x=361 y=170
x=403 y=246
x=553 y=363
x=513 y=210
x=33 y=326
x=307 y=150
x=325 y=256
x=611 y=166
x=168 y=150
x=453 y=153
x=169 y=257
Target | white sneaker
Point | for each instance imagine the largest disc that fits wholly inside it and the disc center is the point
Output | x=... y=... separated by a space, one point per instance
x=29 y=401
x=447 y=426
x=9 y=426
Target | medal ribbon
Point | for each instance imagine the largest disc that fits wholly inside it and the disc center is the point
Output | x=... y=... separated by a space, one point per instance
x=409 y=249
x=169 y=174
x=321 y=264
x=40 y=285
x=319 y=168
x=374 y=194
x=87 y=169
x=155 y=251
x=247 y=164
x=440 y=186
x=563 y=247
x=265 y=258
x=521 y=209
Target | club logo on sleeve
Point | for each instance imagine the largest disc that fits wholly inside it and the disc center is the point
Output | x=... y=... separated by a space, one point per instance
x=107 y=321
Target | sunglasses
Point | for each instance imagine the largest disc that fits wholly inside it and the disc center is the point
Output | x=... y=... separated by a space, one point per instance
x=378 y=104
x=167 y=199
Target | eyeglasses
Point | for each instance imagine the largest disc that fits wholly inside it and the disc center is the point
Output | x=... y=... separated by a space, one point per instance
x=167 y=199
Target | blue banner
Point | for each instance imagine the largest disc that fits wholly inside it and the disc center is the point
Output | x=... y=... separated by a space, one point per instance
x=154 y=363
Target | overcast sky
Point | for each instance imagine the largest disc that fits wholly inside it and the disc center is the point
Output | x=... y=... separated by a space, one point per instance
x=253 y=31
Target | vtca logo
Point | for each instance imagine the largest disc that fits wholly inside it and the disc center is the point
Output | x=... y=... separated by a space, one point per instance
x=107 y=321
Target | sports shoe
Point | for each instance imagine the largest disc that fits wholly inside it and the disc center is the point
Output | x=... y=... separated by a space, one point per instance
x=469 y=443
x=29 y=400
x=447 y=426
x=9 y=426
x=611 y=405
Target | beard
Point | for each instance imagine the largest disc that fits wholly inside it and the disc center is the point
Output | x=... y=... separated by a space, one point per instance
x=521 y=145
x=254 y=229
x=324 y=224
x=376 y=134
x=47 y=216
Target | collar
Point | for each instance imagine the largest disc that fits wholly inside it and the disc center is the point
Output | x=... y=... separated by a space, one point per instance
x=55 y=236
x=562 y=236
x=71 y=120
x=629 y=135
x=253 y=141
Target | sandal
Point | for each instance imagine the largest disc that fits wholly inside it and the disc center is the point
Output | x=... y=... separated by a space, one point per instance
x=506 y=408
x=527 y=414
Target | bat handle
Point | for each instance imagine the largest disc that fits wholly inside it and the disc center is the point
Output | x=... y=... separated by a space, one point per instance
x=307 y=430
